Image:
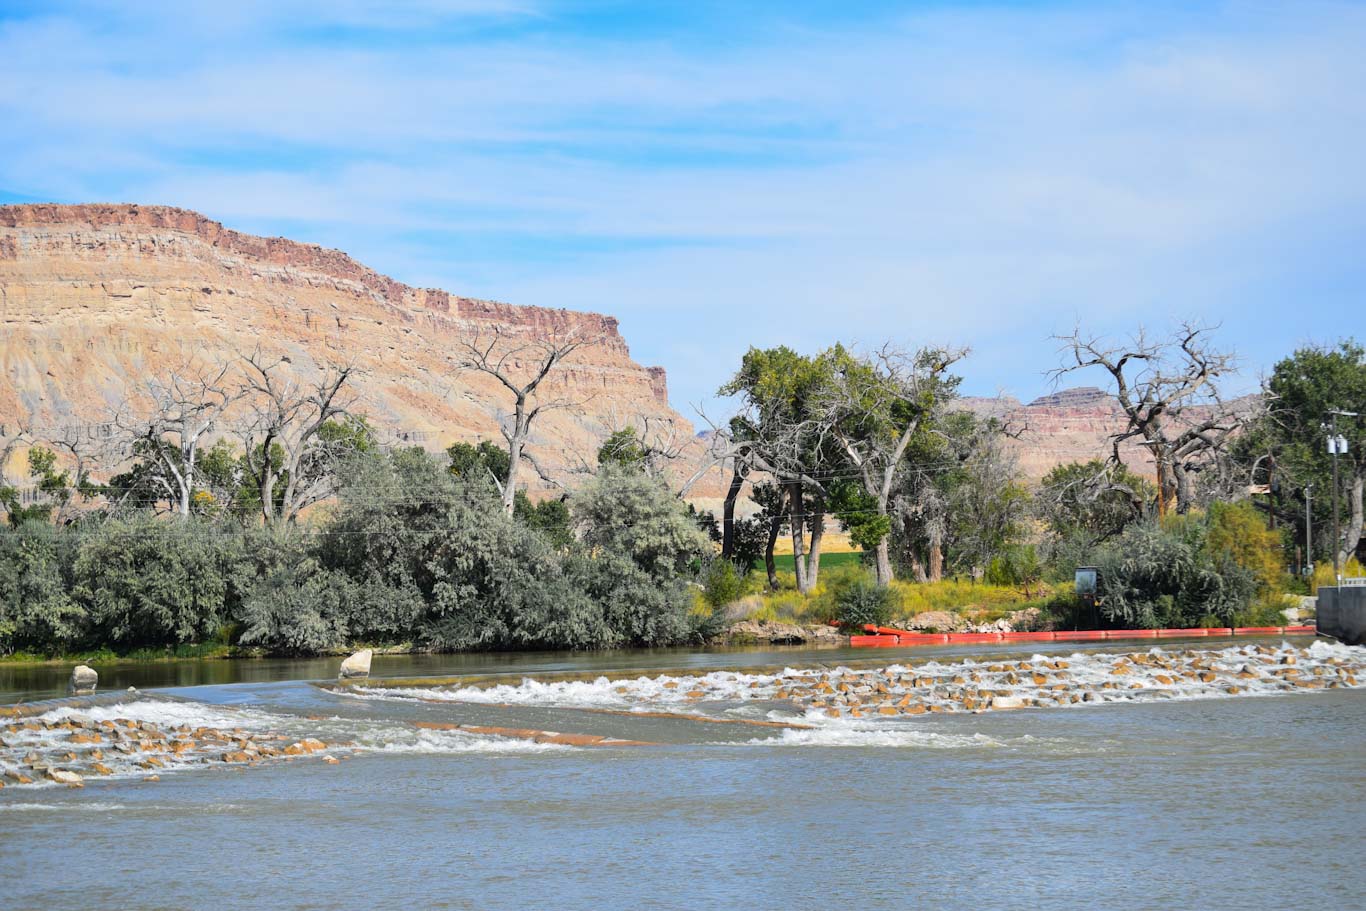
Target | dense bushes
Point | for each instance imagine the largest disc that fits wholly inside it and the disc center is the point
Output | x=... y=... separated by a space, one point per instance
x=1166 y=576
x=410 y=553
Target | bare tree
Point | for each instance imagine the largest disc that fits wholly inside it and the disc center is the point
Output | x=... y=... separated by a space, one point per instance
x=177 y=415
x=1169 y=392
x=83 y=447
x=651 y=442
x=285 y=415
x=521 y=365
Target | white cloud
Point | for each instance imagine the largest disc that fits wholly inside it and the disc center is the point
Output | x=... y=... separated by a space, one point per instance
x=985 y=175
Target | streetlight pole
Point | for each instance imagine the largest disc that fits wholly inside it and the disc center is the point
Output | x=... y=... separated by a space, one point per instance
x=1337 y=445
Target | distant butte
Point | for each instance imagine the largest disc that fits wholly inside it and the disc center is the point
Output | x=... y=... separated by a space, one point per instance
x=96 y=298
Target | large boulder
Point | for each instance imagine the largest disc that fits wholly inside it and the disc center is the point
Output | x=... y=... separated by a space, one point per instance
x=84 y=679
x=358 y=665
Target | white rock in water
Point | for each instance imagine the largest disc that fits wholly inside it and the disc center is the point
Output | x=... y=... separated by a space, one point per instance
x=67 y=778
x=83 y=678
x=358 y=665
x=1007 y=702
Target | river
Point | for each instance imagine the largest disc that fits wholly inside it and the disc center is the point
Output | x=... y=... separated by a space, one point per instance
x=1154 y=797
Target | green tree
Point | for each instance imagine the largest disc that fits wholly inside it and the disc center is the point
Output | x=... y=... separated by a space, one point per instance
x=632 y=515
x=37 y=611
x=624 y=449
x=779 y=432
x=481 y=462
x=1091 y=501
x=1302 y=390
x=151 y=583
x=874 y=406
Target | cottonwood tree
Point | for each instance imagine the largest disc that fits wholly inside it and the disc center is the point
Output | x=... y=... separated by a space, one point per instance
x=174 y=418
x=1169 y=392
x=873 y=406
x=780 y=432
x=293 y=432
x=1091 y=502
x=521 y=365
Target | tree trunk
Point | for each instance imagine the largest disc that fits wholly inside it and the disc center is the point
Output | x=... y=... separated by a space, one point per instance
x=797 y=521
x=737 y=481
x=813 y=559
x=1166 y=485
x=775 y=525
x=936 y=556
x=884 y=562
x=1184 y=495
x=1351 y=538
x=514 y=463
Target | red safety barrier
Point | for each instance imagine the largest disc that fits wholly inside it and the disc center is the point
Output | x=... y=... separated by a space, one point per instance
x=886 y=635
x=865 y=641
x=974 y=637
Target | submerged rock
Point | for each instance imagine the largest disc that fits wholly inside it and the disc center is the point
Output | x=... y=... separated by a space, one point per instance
x=358 y=665
x=84 y=679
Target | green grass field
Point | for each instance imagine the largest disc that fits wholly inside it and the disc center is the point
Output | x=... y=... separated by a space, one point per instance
x=784 y=561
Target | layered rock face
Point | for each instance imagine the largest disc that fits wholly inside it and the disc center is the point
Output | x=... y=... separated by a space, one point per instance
x=96 y=299
x=1073 y=425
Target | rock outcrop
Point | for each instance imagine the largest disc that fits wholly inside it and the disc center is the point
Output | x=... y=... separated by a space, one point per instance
x=96 y=299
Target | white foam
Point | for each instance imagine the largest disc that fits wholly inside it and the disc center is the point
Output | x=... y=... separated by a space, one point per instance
x=171 y=713
x=844 y=735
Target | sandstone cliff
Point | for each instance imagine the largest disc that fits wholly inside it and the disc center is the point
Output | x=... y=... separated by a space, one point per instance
x=95 y=298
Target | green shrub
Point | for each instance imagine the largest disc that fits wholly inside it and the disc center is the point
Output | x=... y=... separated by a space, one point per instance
x=1164 y=576
x=864 y=603
x=723 y=584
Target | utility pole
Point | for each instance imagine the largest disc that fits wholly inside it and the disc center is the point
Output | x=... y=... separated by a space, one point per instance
x=1309 y=531
x=1337 y=445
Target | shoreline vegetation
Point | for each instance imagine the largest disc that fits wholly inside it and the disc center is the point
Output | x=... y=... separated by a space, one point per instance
x=295 y=532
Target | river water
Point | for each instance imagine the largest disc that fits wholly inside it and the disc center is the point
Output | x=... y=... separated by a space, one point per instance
x=1154 y=797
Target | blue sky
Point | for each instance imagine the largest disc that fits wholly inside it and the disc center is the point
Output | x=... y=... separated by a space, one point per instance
x=719 y=174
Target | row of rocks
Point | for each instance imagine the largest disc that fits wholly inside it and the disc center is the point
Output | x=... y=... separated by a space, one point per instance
x=70 y=749
x=970 y=686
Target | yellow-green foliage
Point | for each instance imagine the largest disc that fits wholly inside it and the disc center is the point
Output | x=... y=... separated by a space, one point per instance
x=1323 y=572
x=958 y=596
x=1237 y=530
x=982 y=602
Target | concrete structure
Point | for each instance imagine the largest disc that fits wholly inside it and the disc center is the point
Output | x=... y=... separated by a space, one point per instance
x=1342 y=613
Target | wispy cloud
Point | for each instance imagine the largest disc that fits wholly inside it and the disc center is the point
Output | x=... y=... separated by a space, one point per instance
x=986 y=174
